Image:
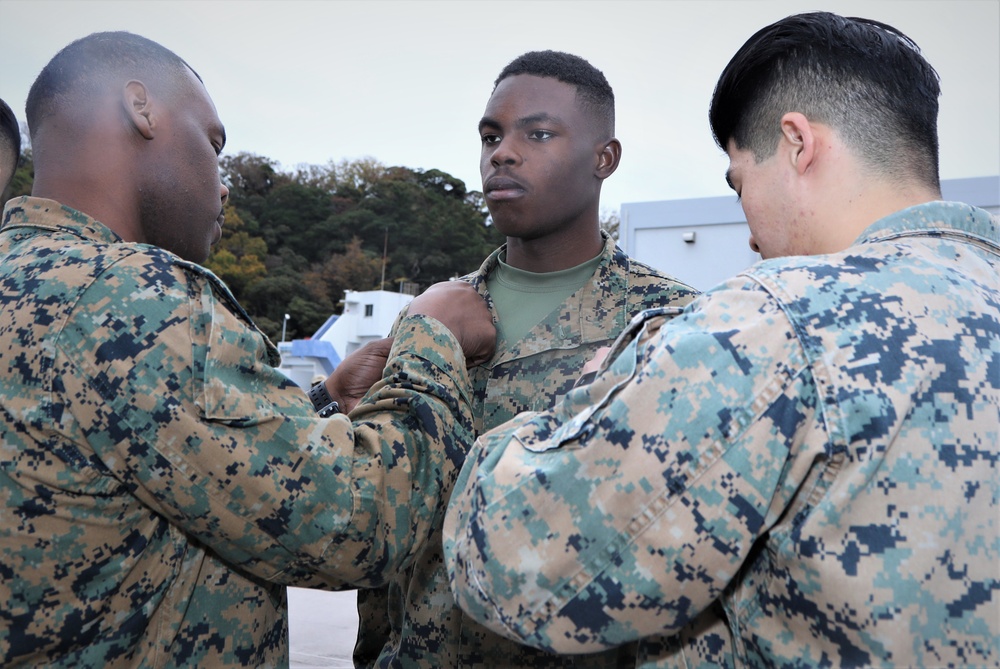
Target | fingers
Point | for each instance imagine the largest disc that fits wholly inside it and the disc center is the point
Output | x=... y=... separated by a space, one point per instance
x=461 y=309
x=358 y=372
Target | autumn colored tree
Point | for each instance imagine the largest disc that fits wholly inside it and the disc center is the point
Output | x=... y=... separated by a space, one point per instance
x=354 y=269
x=238 y=258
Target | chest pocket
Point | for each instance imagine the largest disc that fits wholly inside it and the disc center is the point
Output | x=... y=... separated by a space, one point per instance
x=239 y=375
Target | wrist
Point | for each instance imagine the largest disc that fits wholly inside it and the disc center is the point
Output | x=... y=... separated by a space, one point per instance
x=323 y=401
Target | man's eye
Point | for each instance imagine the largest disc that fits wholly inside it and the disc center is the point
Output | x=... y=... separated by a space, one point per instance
x=540 y=134
x=490 y=139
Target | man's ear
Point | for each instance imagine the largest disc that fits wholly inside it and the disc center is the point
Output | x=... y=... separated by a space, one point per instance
x=138 y=108
x=608 y=159
x=799 y=140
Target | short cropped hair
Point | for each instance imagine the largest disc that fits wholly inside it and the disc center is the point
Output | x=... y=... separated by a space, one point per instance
x=84 y=68
x=592 y=88
x=865 y=79
x=10 y=143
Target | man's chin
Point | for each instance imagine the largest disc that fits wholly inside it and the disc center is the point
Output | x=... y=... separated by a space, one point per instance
x=199 y=255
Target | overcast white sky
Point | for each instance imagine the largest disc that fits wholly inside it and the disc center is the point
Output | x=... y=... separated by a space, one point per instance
x=406 y=82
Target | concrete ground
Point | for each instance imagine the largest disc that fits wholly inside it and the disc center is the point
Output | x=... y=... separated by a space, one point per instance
x=322 y=628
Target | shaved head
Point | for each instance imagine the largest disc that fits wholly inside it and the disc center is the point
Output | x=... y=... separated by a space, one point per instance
x=84 y=69
x=124 y=130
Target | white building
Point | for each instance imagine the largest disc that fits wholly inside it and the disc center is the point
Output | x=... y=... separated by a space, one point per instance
x=368 y=315
x=703 y=241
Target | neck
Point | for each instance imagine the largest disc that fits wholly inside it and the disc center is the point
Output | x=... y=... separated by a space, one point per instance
x=552 y=253
x=68 y=175
x=868 y=201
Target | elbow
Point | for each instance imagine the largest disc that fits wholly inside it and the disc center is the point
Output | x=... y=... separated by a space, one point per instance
x=514 y=609
x=513 y=600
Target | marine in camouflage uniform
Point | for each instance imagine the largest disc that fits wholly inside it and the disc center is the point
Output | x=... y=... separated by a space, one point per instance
x=812 y=444
x=161 y=482
x=807 y=455
x=414 y=622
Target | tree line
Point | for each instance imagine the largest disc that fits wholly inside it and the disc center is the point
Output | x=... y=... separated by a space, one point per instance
x=294 y=241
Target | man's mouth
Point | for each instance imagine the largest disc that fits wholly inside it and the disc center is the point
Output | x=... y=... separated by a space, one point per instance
x=503 y=188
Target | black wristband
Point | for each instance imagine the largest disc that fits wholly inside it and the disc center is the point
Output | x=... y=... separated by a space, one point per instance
x=324 y=404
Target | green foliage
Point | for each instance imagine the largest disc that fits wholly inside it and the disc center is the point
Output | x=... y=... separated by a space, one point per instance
x=294 y=216
x=329 y=228
x=24 y=176
x=293 y=242
x=270 y=298
x=434 y=232
x=307 y=316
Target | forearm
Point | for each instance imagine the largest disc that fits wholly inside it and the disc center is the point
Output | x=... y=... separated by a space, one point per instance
x=626 y=510
x=411 y=434
x=203 y=430
x=380 y=480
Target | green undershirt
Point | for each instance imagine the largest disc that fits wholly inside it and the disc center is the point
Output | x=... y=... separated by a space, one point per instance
x=522 y=299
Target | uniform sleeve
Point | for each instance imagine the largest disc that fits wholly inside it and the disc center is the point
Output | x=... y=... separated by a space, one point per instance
x=628 y=509
x=177 y=396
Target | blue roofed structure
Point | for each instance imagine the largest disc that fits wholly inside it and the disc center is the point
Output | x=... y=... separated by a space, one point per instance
x=368 y=315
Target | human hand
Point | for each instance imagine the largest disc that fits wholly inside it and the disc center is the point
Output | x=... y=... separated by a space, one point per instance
x=358 y=372
x=458 y=306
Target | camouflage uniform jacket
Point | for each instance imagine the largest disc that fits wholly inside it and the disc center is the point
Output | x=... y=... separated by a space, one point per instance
x=414 y=622
x=808 y=454
x=161 y=482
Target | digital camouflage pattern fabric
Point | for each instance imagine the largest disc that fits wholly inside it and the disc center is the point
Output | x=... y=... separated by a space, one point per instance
x=414 y=622
x=808 y=455
x=161 y=482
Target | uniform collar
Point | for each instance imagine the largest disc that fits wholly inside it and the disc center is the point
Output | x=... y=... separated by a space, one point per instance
x=42 y=214
x=935 y=218
x=588 y=315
